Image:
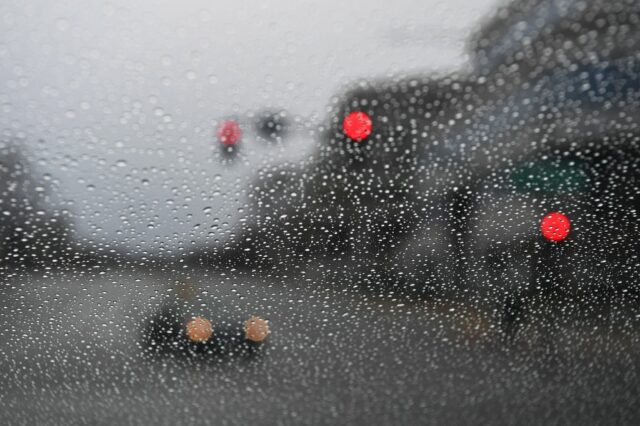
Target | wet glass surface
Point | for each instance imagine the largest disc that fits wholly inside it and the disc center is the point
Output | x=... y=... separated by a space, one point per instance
x=418 y=213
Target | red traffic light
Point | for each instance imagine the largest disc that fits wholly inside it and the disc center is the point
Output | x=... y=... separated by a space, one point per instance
x=357 y=125
x=229 y=133
x=555 y=226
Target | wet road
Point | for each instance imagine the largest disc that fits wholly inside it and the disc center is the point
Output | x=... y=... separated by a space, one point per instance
x=70 y=354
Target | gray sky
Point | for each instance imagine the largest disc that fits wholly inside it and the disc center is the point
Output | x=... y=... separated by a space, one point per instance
x=124 y=96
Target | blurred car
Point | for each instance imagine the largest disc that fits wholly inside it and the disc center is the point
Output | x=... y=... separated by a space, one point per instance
x=187 y=323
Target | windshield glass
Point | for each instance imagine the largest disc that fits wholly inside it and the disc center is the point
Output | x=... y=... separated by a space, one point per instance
x=320 y=213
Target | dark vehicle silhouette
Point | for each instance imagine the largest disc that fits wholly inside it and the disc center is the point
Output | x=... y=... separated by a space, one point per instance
x=186 y=324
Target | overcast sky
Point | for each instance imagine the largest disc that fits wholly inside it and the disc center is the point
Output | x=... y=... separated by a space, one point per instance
x=118 y=101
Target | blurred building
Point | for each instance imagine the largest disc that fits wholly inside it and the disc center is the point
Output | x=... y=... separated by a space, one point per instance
x=30 y=232
x=447 y=192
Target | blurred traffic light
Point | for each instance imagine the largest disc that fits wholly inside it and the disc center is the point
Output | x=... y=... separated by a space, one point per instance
x=555 y=226
x=357 y=125
x=229 y=133
x=273 y=126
